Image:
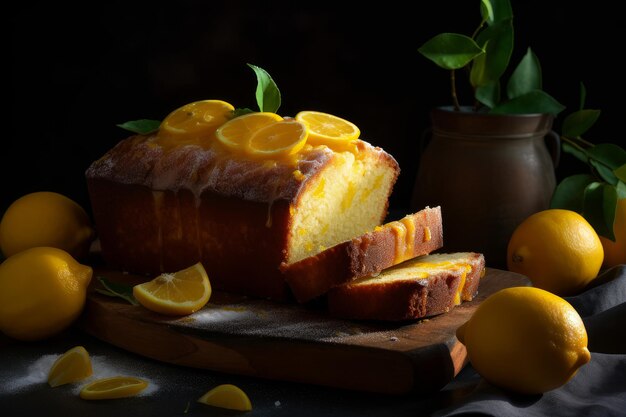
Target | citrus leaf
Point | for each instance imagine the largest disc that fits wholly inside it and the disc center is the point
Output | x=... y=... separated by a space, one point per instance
x=114 y=289
x=620 y=173
x=267 y=92
x=579 y=122
x=578 y=153
x=606 y=157
x=497 y=41
x=536 y=101
x=451 y=50
x=599 y=208
x=241 y=111
x=570 y=192
x=141 y=126
x=488 y=94
x=501 y=10
x=526 y=77
x=621 y=190
x=486 y=11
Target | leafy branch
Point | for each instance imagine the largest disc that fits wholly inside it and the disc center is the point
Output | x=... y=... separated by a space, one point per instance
x=595 y=194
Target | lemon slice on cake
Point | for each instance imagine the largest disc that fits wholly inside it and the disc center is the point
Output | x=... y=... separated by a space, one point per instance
x=236 y=133
x=200 y=118
x=278 y=140
x=227 y=396
x=326 y=129
x=177 y=293
x=72 y=366
x=113 y=387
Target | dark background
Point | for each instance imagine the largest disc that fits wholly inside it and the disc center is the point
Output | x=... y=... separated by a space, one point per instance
x=77 y=70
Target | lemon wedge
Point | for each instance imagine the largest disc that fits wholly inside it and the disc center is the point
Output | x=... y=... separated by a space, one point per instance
x=278 y=140
x=227 y=396
x=327 y=129
x=72 y=366
x=177 y=293
x=113 y=387
x=235 y=133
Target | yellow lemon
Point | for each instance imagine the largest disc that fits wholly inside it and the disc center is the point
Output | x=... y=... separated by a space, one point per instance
x=45 y=219
x=42 y=291
x=195 y=121
x=227 y=396
x=278 y=140
x=326 y=129
x=72 y=366
x=615 y=251
x=557 y=249
x=235 y=133
x=113 y=387
x=525 y=339
x=178 y=293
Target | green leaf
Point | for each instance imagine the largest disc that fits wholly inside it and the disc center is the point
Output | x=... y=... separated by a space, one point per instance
x=488 y=94
x=267 y=92
x=526 y=77
x=599 y=208
x=114 y=289
x=578 y=153
x=497 y=41
x=241 y=111
x=621 y=190
x=536 y=101
x=570 y=193
x=451 y=50
x=141 y=126
x=605 y=157
x=501 y=10
x=486 y=11
x=620 y=173
x=579 y=122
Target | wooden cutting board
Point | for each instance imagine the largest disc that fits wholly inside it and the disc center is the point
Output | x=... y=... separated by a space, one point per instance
x=239 y=335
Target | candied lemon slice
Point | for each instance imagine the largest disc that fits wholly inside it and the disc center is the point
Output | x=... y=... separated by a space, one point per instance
x=278 y=140
x=326 y=129
x=177 y=293
x=227 y=396
x=72 y=366
x=236 y=132
x=200 y=118
x=113 y=387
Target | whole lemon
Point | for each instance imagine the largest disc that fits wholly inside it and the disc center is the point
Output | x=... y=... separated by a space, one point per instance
x=615 y=252
x=42 y=291
x=45 y=219
x=557 y=249
x=525 y=339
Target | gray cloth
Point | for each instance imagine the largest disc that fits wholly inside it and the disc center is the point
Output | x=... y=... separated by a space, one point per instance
x=599 y=387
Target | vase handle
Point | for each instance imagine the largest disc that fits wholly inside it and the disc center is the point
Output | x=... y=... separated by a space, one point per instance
x=553 y=141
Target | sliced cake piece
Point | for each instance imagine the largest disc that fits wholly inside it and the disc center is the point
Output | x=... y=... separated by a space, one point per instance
x=416 y=234
x=421 y=287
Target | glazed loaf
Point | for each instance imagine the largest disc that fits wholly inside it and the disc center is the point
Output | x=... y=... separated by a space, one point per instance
x=160 y=208
x=395 y=242
x=421 y=287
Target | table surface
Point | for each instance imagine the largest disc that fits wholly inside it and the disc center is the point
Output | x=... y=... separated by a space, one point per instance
x=174 y=389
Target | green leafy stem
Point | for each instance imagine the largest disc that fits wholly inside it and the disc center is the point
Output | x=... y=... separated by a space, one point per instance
x=267 y=95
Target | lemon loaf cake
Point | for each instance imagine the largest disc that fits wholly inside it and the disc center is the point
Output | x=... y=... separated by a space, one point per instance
x=395 y=242
x=421 y=287
x=161 y=207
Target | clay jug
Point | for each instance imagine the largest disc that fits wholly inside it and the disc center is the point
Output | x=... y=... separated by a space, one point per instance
x=488 y=173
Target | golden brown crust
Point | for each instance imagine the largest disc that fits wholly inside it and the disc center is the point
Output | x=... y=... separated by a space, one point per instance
x=406 y=299
x=162 y=210
x=363 y=256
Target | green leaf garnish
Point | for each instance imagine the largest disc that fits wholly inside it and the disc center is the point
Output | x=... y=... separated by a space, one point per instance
x=526 y=77
x=267 y=92
x=570 y=193
x=536 y=101
x=114 y=289
x=599 y=206
x=141 y=126
x=241 y=111
x=451 y=50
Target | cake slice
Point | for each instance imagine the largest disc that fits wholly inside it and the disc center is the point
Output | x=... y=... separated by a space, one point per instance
x=395 y=242
x=421 y=287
